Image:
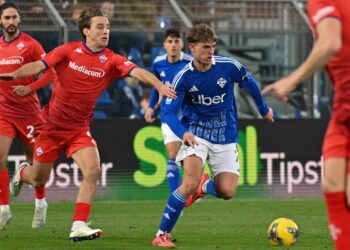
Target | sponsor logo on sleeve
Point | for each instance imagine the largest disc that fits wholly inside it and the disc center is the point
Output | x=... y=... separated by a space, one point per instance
x=127 y=63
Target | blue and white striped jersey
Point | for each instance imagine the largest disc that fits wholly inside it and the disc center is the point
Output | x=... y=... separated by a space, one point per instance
x=207 y=100
x=165 y=72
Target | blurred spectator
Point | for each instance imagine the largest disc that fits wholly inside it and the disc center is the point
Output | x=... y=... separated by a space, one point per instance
x=145 y=100
x=126 y=98
x=108 y=8
x=74 y=14
x=141 y=15
x=73 y=26
x=163 y=20
x=37 y=9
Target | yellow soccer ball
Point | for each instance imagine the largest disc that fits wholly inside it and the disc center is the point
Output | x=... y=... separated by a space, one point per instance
x=283 y=232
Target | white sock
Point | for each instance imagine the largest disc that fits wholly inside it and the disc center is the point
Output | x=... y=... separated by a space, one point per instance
x=40 y=202
x=204 y=186
x=160 y=232
x=4 y=208
x=77 y=224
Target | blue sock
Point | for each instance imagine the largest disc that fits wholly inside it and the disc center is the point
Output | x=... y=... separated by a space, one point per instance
x=176 y=202
x=211 y=188
x=172 y=175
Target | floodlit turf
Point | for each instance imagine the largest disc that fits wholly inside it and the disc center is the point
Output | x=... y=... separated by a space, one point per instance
x=212 y=224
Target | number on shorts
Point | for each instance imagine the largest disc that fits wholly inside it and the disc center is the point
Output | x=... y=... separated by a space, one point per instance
x=31 y=131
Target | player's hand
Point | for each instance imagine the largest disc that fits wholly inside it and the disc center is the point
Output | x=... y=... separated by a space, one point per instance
x=21 y=90
x=7 y=76
x=280 y=89
x=189 y=139
x=149 y=115
x=269 y=116
x=166 y=90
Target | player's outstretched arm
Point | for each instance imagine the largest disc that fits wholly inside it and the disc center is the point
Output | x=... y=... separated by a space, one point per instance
x=269 y=116
x=44 y=80
x=148 y=78
x=328 y=43
x=29 y=69
x=149 y=115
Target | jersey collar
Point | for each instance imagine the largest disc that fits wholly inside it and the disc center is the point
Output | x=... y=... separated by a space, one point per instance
x=88 y=49
x=213 y=62
x=14 y=39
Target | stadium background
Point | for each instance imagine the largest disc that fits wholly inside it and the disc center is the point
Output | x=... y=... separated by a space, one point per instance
x=270 y=37
x=283 y=160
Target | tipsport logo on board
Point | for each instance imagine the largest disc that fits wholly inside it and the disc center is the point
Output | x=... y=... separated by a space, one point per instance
x=263 y=168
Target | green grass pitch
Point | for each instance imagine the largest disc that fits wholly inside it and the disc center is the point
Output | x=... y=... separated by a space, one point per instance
x=211 y=224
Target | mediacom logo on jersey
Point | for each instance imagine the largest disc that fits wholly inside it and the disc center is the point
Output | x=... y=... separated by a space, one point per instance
x=207 y=100
x=87 y=71
x=11 y=60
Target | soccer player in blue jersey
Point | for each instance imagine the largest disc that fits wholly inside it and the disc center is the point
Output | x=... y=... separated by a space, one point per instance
x=209 y=128
x=165 y=67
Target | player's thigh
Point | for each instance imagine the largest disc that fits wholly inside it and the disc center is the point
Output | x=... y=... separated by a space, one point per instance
x=192 y=161
x=200 y=151
x=173 y=148
x=193 y=166
x=88 y=160
x=336 y=142
x=7 y=133
x=5 y=145
x=28 y=151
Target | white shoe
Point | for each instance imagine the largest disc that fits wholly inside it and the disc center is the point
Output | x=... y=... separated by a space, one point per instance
x=5 y=218
x=39 y=217
x=15 y=183
x=84 y=232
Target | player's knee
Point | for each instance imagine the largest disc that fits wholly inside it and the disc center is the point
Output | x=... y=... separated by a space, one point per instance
x=227 y=193
x=2 y=163
x=92 y=173
x=329 y=185
x=172 y=154
x=190 y=186
x=38 y=182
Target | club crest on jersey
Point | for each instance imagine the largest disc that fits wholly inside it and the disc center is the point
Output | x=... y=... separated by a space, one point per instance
x=103 y=58
x=20 y=45
x=39 y=151
x=221 y=82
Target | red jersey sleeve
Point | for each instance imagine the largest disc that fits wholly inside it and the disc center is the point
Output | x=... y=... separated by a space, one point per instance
x=55 y=56
x=122 y=66
x=37 y=51
x=319 y=9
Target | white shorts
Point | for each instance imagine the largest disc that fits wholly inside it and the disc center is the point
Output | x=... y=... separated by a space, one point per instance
x=220 y=157
x=168 y=134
